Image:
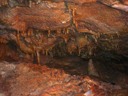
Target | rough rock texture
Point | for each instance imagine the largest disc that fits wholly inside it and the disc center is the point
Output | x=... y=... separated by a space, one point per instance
x=91 y=35
x=44 y=16
x=107 y=21
x=34 y=80
x=75 y=27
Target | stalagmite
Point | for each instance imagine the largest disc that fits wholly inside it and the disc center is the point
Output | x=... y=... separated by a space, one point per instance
x=38 y=57
x=92 y=69
x=79 y=51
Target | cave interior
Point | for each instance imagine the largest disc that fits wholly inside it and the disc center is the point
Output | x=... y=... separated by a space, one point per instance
x=63 y=47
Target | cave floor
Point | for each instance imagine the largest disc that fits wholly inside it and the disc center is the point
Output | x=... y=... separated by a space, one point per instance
x=60 y=77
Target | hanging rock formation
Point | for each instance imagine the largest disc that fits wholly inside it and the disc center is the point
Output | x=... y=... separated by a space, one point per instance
x=65 y=27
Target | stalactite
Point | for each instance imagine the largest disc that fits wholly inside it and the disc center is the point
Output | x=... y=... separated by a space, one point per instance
x=38 y=57
x=67 y=30
x=46 y=52
x=21 y=44
x=95 y=39
x=49 y=32
x=38 y=1
x=30 y=32
x=30 y=3
x=3 y=2
x=73 y=15
x=30 y=24
x=71 y=46
x=65 y=39
x=22 y=34
x=58 y=31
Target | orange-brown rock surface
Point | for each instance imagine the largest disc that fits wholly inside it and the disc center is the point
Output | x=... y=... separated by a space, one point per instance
x=46 y=25
x=33 y=80
x=45 y=16
x=69 y=38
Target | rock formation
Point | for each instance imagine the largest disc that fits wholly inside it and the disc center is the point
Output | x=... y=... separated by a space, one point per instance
x=81 y=46
x=85 y=28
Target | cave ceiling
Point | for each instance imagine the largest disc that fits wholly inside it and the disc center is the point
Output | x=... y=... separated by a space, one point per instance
x=61 y=27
